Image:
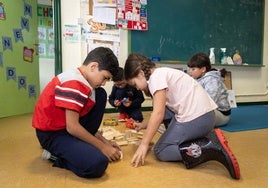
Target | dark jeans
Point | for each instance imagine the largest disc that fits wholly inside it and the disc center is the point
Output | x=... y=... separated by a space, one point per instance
x=73 y=154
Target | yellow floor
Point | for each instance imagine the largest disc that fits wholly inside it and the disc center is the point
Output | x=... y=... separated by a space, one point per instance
x=22 y=166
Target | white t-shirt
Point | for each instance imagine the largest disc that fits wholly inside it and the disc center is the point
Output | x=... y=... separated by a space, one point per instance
x=184 y=95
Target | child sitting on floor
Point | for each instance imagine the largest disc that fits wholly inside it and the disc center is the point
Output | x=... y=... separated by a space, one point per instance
x=126 y=98
x=212 y=81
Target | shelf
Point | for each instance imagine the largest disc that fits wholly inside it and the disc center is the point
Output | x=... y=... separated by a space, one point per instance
x=174 y=62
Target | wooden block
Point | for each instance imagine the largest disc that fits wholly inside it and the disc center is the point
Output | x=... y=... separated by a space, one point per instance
x=121 y=156
x=122 y=143
x=132 y=139
x=137 y=142
x=136 y=132
x=118 y=137
x=139 y=136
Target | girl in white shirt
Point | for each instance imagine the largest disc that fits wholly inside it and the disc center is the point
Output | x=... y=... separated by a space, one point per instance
x=190 y=136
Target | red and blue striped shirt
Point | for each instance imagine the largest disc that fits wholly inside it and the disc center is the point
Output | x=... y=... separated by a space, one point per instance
x=68 y=90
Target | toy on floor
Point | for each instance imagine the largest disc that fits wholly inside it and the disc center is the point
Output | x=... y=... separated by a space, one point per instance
x=110 y=122
x=122 y=139
x=130 y=123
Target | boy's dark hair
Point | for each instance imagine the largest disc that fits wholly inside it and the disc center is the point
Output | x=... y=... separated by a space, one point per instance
x=200 y=60
x=120 y=75
x=105 y=58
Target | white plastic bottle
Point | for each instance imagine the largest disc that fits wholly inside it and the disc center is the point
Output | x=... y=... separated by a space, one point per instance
x=212 y=56
x=223 y=56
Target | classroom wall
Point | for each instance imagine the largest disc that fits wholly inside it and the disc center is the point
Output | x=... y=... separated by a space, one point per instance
x=250 y=84
x=19 y=80
x=46 y=65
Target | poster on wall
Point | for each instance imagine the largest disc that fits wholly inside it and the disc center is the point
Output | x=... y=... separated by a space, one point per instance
x=113 y=45
x=45 y=31
x=110 y=3
x=72 y=33
x=99 y=26
x=132 y=14
x=100 y=34
x=2 y=11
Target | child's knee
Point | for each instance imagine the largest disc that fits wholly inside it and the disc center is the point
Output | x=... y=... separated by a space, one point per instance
x=95 y=169
x=157 y=153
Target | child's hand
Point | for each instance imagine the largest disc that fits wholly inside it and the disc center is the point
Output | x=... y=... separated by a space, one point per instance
x=115 y=145
x=112 y=153
x=117 y=102
x=127 y=104
x=139 y=157
x=139 y=125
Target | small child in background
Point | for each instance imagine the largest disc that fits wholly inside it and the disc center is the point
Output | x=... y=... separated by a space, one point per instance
x=212 y=81
x=126 y=98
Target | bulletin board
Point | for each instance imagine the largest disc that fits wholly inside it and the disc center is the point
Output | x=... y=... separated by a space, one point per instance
x=179 y=29
x=19 y=69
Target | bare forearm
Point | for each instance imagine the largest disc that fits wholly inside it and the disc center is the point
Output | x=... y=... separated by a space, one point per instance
x=82 y=134
x=152 y=127
x=100 y=137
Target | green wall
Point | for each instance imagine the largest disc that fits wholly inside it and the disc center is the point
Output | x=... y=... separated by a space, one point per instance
x=19 y=72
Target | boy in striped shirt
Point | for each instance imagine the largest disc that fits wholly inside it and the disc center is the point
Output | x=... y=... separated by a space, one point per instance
x=69 y=112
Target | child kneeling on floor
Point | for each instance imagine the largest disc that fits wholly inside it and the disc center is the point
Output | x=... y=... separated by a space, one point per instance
x=190 y=136
x=69 y=112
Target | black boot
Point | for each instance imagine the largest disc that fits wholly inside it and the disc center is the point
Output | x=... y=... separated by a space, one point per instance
x=212 y=147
